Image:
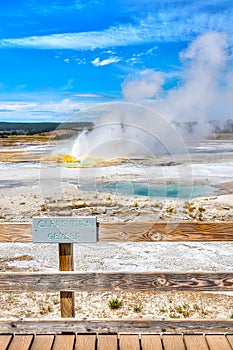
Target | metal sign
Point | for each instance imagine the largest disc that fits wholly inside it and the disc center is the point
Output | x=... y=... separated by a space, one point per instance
x=64 y=229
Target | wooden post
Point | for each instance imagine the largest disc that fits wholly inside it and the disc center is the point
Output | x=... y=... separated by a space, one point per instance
x=66 y=263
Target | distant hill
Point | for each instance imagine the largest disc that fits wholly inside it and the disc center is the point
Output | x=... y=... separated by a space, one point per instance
x=37 y=128
x=223 y=127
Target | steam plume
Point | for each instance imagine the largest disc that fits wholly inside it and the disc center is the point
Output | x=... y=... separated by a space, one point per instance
x=204 y=92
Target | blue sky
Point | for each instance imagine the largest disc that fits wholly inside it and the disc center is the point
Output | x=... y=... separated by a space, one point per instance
x=58 y=57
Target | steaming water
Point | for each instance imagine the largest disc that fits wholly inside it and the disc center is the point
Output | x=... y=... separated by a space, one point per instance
x=156 y=191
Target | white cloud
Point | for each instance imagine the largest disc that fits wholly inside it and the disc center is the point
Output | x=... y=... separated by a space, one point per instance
x=159 y=27
x=148 y=52
x=133 y=60
x=89 y=95
x=137 y=58
x=17 y=106
x=72 y=59
x=41 y=110
x=80 y=60
x=68 y=85
x=114 y=36
x=97 y=62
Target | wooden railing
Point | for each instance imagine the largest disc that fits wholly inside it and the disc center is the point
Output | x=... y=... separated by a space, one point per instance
x=149 y=281
x=137 y=232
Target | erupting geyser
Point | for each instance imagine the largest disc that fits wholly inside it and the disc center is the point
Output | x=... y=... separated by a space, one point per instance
x=114 y=140
x=126 y=130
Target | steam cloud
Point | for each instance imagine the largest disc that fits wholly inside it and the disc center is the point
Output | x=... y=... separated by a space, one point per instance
x=146 y=85
x=125 y=129
x=204 y=92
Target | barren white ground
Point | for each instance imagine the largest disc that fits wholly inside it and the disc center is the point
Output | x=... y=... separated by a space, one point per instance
x=29 y=189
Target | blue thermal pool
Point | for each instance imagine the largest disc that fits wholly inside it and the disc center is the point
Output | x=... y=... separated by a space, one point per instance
x=156 y=190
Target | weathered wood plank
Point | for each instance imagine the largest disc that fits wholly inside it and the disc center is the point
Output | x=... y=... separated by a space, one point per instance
x=21 y=342
x=67 y=304
x=15 y=232
x=218 y=342
x=85 y=342
x=151 y=342
x=4 y=341
x=129 y=342
x=63 y=341
x=136 y=232
x=66 y=257
x=66 y=263
x=29 y=326
x=44 y=342
x=173 y=342
x=84 y=281
x=230 y=339
x=166 y=232
x=195 y=342
x=107 y=342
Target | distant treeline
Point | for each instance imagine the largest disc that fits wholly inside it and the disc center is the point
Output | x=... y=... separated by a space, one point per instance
x=217 y=126
x=38 y=128
x=7 y=129
x=224 y=128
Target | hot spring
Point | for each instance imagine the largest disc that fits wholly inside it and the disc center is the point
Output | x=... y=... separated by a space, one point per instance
x=127 y=133
x=170 y=191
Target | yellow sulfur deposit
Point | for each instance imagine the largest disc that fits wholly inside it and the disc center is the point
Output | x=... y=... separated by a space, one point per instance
x=62 y=158
x=71 y=162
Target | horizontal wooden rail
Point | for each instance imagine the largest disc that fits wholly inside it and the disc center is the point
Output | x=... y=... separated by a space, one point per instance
x=166 y=232
x=111 y=326
x=136 y=232
x=88 y=281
